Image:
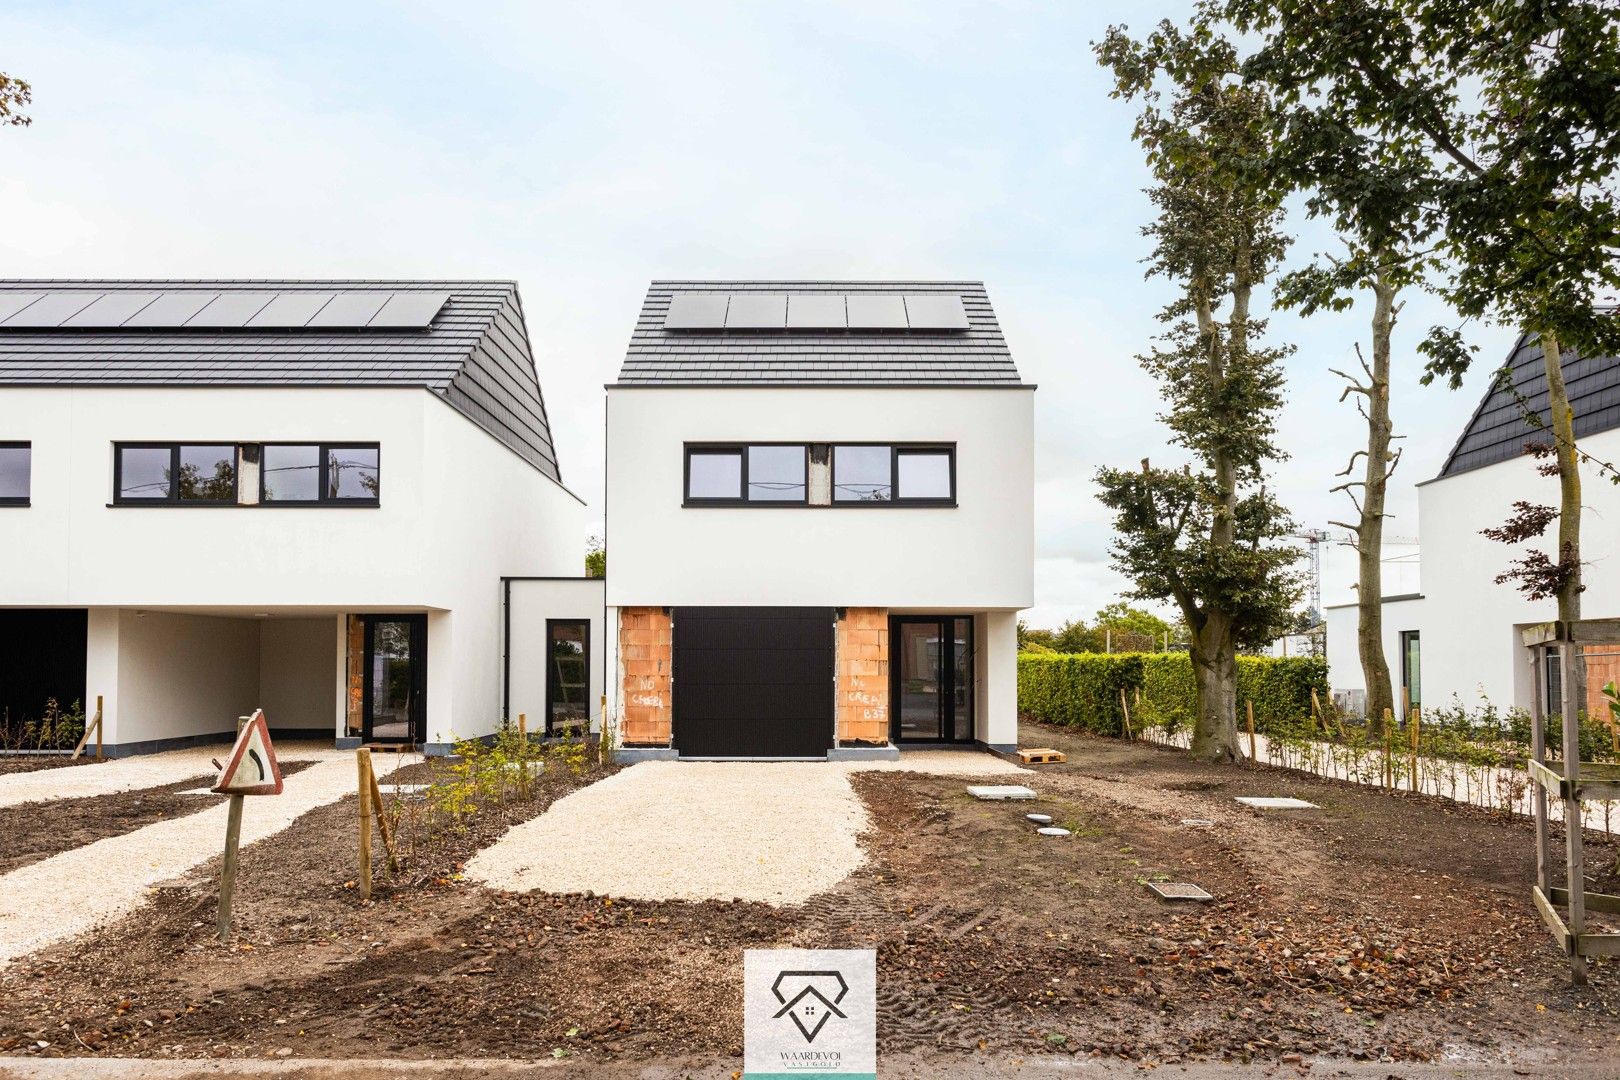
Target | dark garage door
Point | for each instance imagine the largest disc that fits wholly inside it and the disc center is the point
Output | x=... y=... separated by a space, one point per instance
x=753 y=682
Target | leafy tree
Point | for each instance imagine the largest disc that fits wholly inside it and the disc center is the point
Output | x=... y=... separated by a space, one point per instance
x=1377 y=189
x=1517 y=106
x=1132 y=629
x=15 y=96
x=596 y=558
x=1212 y=539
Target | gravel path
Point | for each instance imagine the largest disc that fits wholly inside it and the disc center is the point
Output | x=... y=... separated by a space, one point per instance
x=141 y=771
x=70 y=893
x=777 y=832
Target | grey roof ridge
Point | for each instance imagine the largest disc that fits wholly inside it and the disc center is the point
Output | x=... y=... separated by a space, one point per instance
x=810 y=384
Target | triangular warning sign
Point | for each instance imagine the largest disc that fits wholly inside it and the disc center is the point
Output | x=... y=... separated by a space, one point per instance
x=252 y=767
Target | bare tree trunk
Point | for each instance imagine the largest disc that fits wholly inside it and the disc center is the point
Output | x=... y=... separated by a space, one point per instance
x=1370 y=530
x=1214 y=663
x=1568 y=555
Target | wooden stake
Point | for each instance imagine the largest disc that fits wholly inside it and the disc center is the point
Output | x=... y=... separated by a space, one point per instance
x=1254 y=750
x=84 y=739
x=1317 y=714
x=98 y=727
x=1125 y=712
x=382 y=824
x=233 y=838
x=362 y=758
x=1389 y=769
x=1412 y=738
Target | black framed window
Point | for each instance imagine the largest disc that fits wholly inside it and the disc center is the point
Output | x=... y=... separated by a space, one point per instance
x=568 y=675
x=756 y=473
x=16 y=464
x=777 y=473
x=353 y=473
x=200 y=474
x=319 y=474
x=863 y=474
x=290 y=473
x=209 y=474
x=893 y=475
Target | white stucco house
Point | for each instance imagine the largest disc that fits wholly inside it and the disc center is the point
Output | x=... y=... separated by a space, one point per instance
x=310 y=497
x=1456 y=635
x=819 y=516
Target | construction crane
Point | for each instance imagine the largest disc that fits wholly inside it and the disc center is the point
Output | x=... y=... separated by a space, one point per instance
x=1315 y=538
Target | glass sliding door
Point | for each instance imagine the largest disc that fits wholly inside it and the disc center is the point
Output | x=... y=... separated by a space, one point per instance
x=394 y=694
x=931 y=678
x=568 y=675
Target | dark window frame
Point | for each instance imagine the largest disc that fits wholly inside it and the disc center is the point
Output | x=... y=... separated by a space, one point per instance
x=895 y=497
x=172 y=498
x=1406 y=639
x=24 y=500
x=741 y=450
x=585 y=659
x=323 y=451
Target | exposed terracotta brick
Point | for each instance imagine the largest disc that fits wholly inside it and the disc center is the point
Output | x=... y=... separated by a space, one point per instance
x=644 y=656
x=863 y=676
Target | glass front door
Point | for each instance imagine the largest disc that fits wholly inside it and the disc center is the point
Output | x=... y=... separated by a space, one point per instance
x=395 y=691
x=931 y=678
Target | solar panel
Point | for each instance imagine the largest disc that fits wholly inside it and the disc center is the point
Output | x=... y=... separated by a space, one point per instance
x=111 y=310
x=13 y=302
x=696 y=311
x=230 y=310
x=876 y=311
x=936 y=311
x=408 y=310
x=348 y=310
x=757 y=311
x=816 y=311
x=171 y=309
x=290 y=309
x=52 y=308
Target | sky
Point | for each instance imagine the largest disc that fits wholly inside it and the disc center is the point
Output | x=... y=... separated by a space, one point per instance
x=585 y=148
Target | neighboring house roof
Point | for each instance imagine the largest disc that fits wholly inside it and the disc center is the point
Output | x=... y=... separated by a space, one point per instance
x=464 y=341
x=1499 y=428
x=818 y=333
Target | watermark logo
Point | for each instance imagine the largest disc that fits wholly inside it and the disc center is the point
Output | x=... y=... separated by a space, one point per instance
x=809 y=1012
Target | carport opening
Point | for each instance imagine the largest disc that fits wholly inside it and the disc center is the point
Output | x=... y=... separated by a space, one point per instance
x=42 y=693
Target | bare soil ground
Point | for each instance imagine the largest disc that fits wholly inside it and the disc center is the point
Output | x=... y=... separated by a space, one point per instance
x=38 y=830
x=1376 y=928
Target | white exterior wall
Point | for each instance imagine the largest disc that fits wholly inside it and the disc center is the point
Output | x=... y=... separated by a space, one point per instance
x=297 y=666
x=978 y=555
x=532 y=603
x=1344 y=656
x=182 y=675
x=458 y=511
x=1469 y=624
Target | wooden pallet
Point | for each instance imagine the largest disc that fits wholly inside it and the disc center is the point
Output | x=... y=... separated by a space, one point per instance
x=1041 y=756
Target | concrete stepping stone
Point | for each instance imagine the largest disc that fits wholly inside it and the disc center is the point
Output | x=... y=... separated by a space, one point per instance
x=1269 y=803
x=1039 y=819
x=1053 y=830
x=994 y=792
x=1178 y=890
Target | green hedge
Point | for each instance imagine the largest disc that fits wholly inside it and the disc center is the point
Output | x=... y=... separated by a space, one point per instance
x=1082 y=690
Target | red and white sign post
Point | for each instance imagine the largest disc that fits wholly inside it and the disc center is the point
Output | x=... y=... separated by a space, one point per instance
x=251 y=769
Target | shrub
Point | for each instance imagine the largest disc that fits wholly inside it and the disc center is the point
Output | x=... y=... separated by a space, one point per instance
x=1082 y=690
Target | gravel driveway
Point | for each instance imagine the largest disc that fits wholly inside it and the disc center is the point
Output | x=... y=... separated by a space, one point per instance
x=141 y=771
x=67 y=894
x=777 y=832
